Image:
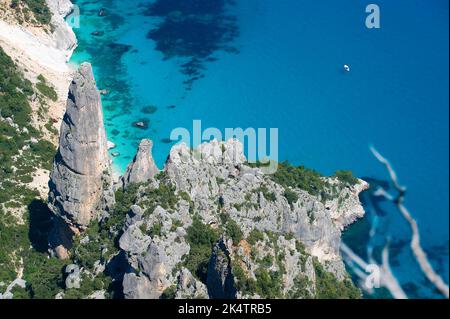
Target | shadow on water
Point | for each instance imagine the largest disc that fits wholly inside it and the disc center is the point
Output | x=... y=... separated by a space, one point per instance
x=368 y=198
x=357 y=236
x=193 y=30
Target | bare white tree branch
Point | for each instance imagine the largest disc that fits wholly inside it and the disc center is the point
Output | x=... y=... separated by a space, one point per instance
x=387 y=278
x=417 y=249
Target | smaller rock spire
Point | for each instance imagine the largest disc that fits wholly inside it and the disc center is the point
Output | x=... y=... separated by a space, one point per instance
x=143 y=167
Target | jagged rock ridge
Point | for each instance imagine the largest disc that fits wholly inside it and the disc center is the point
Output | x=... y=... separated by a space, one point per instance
x=214 y=184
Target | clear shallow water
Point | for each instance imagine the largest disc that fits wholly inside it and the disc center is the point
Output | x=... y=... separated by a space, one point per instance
x=287 y=74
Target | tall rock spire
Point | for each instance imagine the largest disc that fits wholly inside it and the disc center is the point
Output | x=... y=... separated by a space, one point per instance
x=142 y=168
x=80 y=181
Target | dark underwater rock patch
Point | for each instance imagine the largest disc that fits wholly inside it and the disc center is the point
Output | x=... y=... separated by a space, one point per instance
x=149 y=109
x=119 y=49
x=98 y=33
x=193 y=30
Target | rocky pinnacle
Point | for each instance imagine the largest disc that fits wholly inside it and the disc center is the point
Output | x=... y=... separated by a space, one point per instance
x=142 y=168
x=80 y=181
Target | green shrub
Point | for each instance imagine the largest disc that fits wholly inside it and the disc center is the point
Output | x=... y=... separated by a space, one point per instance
x=88 y=286
x=39 y=8
x=290 y=196
x=232 y=229
x=301 y=287
x=268 y=283
x=169 y=292
x=244 y=284
x=329 y=287
x=270 y=196
x=185 y=196
x=44 y=275
x=346 y=177
x=25 y=242
x=155 y=230
x=289 y=236
x=300 y=177
x=85 y=255
x=255 y=236
x=12 y=237
x=267 y=261
x=14 y=92
x=125 y=198
x=163 y=196
x=45 y=151
x=49 y=126
x=201 y=238
x=175 y=224
x=46 y=89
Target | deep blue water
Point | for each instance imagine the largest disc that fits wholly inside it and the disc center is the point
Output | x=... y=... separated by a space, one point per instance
x=270 y=63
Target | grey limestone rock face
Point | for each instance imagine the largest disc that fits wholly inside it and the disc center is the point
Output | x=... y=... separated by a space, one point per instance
x=73 y=280
x=143 y=167
x=80 y=184
x=63 y=34
x=215 y=180
x=208 y=183
x=215 y=177
x=190 y=287
x=134 y=241
x=152 y=258
x=137 y=287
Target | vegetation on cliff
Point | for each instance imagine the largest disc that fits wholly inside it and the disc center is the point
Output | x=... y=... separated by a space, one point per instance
x=32 y=11
x=201 y=238
x=328 y=287
x=309 y=180
x=46 y=89
x=24 y=217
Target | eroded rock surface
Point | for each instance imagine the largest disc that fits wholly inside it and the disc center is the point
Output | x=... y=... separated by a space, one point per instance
x=143 y=167
x=297 y=239
x=80 y=181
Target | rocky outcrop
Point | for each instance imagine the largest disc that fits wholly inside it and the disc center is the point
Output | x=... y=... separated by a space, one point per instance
x=73 y=279
x=219 y=170
x=143 y=167
x=63 y=34
x=190 y=287
x=152 y=255
x=220 y=280
x=214 y=183
x=8 y=294
x=137 y=287
x=80 y=181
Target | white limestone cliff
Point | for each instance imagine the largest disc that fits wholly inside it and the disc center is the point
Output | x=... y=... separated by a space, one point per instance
x=40 y=51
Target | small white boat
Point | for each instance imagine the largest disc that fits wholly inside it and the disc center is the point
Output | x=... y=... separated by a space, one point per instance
x=346 y=68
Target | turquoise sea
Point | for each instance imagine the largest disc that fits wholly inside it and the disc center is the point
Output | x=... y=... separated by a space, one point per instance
x=271 y=63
